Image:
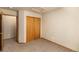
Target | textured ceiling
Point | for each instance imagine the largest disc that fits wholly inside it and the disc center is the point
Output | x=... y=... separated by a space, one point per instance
x=35 y=9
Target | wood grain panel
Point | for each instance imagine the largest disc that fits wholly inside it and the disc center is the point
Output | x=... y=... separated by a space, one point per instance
x=37 y=28
x=30 y=29
x=33 y=28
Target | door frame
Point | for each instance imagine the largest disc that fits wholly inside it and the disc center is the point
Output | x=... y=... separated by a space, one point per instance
x=1 y=41
x=17 y=28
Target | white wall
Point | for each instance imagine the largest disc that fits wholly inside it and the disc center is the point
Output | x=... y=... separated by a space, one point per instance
x=62 y=26
x=22 y=23
x=8 y=26
x=21 y=26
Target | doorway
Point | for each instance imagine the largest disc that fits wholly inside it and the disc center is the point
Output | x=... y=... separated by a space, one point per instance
x=8 y=29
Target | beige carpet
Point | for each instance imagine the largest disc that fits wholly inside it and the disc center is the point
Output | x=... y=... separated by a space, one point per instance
x=39 y=45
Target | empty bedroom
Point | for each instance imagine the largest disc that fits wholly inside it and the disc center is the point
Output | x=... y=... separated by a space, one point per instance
x=39 y=29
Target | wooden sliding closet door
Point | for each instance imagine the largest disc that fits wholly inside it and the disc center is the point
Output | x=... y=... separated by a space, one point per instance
x=37 y=28
x=33 y=28
x=30 y=29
